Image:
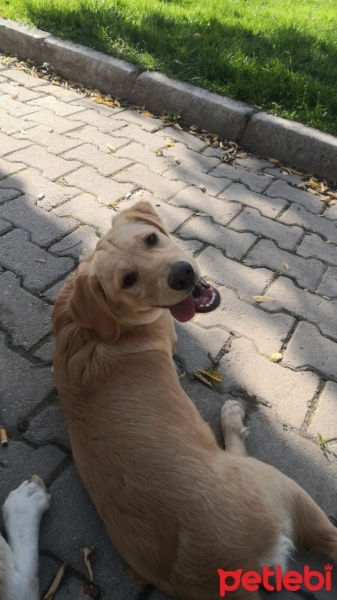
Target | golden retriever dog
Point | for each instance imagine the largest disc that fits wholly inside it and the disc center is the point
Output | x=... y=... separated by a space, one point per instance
x=175 y=505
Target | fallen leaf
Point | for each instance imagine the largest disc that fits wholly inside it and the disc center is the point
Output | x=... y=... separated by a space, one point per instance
x=199 y=376
x=286 y=266
x=313 y=183
x=117 y=103
x=263 y=299
x=276 y=357
x=146 y=113
x=169 y=144
x=210 y=373
x=55 y=585
x=274 y=161
x=111 y=148
x=86 y=556
x=104 y=101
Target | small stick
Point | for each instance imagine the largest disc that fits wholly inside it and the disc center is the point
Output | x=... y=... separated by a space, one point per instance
x=3 y=437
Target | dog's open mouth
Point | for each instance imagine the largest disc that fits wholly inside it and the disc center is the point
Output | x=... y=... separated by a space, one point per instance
x=204 y=298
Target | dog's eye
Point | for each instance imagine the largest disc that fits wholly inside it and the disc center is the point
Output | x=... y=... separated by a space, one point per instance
x=152 y=239
x=129 y=280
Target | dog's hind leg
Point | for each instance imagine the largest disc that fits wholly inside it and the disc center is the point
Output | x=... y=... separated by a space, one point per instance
x=233 y=429
x=22 y=514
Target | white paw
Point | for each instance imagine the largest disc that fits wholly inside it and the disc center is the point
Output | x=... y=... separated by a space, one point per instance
x=232 y=408
x=26 y=504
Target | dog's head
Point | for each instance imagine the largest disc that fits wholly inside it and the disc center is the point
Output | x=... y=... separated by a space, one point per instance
x=135 y=271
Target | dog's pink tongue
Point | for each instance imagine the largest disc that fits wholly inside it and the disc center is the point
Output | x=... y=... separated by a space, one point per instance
x=184 y=310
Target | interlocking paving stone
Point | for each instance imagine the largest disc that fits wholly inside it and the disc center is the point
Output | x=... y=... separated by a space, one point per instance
x=21 y=76
x=212 y=185
x=107 y=190
x=286 y=391
x=4 y=227
x=53 y=142
x=103 y=123
x=15 y=107
x=132 y=116
x=52 y=292
x=194 y=344
x=281 y=189
x=20 y=92
x=48 y=427
x=270 y=207
x=26 y=317
x=38 y=268
x=307 y=272
x=297 y=215
x=44 y=228
x=328 y=285
x=139 y=154
x=235 y=244
x=47 y=193
x=46 y=351
x=313 y=246
x=88 y=209
x=7 y=168
x=245 y=281
x=80 y=242
x=98 y=138
x=161 y=186
x=173 y=133
x=324 y=420
x=52 y=166
x=54 y=122
x=81 y=527
x=11 y=125
x=22 y=387
x=6 y=195
x=267 y=331
x=106 y=164
x=256 y=183
x=62 y=109
x=9 y=144
x=221 y=211
x=309 y=349
x=183 y=155
x=250 y=220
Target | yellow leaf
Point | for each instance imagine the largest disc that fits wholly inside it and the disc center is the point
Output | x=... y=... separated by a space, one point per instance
x=86 y=556
x=274 y=161
x=169 y=143
x=313 y=183
x=111 y=148
x=146 y=113
x=211 y=374
x=199 y=376
x=117 y=103
x=276 y=357
x=286 y=266
x=263 y=299
x=54 y=586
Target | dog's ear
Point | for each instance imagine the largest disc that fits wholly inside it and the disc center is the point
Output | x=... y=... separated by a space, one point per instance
x=87 y=304
x=143 y=211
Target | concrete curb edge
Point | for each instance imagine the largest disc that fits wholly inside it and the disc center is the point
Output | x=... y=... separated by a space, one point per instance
x=288 y=141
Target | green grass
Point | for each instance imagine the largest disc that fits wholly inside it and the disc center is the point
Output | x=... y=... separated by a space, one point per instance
x=279 y=55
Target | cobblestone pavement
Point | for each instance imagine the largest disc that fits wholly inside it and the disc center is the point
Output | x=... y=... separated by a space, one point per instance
x=64 y=164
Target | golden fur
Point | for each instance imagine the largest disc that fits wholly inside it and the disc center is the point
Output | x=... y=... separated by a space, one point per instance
x=175 y=505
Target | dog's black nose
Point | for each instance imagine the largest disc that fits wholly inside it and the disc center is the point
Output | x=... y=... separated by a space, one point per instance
x=181 y=276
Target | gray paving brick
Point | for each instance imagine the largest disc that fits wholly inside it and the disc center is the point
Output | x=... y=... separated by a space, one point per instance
x=136 y=118
x=162 y=187
x=305 y=304
x=102 y=122
x=53 y=89
x=15 y=107
x=20 y=255
x=52 y=167
x=308 y=349
x=255 y=182
x=194 y=344
x=245 y=281
x=251 y=220
x=280 y=173
x=58 y=124
x=106 y=164
x=102 y=109
x=190 y=246
x=45 y=352
x=107 y=190
x=22 y=93
x=53 y=142
x=62 y=109
x=252 y=163
x=9 y=144
x=71 y=507
x=31 y=181
x=11 y=125
x=9 y=194
x=270 y=207
x=221 y=211
x=324 y=420
x=48 y=427
x=331 y=212
x=212 y=185
x=7 y=168
x=87 y=209
x=22 y=387
x=287 y=392
x=268 y=332
x=193 y=159
x=297 y=215
x=137 y=134
x=328 y=285
x=173 y=133
x=43 y=227
x=52 y=292
x=307 y=272
x=135 y=152
x=235 y=244
x=313 y=246
x=281 y=189
x=4 y=227
x=21 y=76
x=102 y=140
x=26 y=317
x=80 y=242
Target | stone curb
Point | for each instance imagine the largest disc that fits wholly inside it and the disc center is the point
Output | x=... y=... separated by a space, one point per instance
x=288 y=141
